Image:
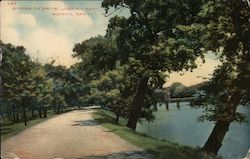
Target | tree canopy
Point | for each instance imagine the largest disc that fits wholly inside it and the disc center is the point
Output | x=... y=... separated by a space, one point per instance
x=157 y=36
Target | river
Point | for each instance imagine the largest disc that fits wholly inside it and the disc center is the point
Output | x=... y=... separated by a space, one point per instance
x=181 y=126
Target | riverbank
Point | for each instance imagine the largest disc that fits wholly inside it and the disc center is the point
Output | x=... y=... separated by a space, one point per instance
x=180 y=125
x=161 y=149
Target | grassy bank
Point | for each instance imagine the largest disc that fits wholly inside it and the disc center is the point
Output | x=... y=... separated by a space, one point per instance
x=161 y=149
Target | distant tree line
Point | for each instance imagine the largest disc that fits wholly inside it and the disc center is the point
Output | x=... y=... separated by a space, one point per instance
x=178 y=90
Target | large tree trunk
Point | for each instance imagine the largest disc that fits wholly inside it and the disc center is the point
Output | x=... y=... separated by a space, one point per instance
x=215 y=139
x=137 y=104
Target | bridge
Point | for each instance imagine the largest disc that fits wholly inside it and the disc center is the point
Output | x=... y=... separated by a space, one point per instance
x=177 y=101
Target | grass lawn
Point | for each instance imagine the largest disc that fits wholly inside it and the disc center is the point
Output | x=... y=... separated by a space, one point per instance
x=161 y=149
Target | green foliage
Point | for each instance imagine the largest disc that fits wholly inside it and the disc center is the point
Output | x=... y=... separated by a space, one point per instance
x=42 y=87
x=226 y=31
x=156 y=38
x=97 y=55
x=16 y=73
x=154 y=33
x=178 y=90
x=67 y=86
x=28 y=86
x=175 y=89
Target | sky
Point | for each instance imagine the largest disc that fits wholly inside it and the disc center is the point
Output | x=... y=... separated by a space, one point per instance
x=45 y=33
x=48 y=30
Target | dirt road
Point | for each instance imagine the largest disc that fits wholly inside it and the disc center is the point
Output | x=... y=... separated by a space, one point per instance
x=68 y=136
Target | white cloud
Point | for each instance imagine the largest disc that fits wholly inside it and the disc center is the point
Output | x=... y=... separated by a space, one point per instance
x=27 y=20
x=9 y=20
x=10 y=35
x=44 y=42
x=8 y=17
x=67 y=24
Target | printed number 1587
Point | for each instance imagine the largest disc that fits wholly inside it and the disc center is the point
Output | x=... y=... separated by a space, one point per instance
x=12 y=3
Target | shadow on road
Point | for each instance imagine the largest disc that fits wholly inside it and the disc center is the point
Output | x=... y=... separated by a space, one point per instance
x=85 y=123
x=123 y=155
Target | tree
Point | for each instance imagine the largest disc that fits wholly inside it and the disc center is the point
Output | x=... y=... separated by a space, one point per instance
x=15 y=71
x=107 y=80
x=25 y=84
x=224 y=29
x=73 y=88
x=58 y=74
x=175 y=89
x=156 y=37
x=98 y=55
x=42 y=90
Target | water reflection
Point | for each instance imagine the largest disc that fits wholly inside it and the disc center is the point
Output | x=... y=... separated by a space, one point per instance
x=179 y=124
